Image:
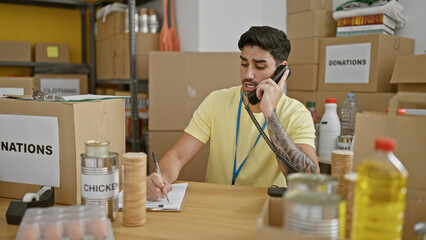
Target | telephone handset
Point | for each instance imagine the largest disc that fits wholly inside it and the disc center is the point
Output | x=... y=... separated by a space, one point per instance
x=252 y=98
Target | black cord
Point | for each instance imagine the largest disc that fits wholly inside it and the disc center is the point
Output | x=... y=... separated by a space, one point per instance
x=273 y=148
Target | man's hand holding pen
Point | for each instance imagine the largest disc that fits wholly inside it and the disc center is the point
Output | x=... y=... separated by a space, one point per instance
x=157 y=187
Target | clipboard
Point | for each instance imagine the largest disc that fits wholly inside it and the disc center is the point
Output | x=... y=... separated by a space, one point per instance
x=177 y=199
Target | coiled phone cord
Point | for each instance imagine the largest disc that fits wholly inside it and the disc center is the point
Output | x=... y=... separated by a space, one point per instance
x=273 y=148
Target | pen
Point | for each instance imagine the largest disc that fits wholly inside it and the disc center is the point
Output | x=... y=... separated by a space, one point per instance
x=158 y=170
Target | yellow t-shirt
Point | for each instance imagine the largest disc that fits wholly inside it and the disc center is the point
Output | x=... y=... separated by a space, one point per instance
x=216 y=120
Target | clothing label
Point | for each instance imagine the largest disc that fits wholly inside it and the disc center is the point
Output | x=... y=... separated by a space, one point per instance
x=348 y=63
x=11 y=91
x=99 y=187
x=29 y=150
x=60 y=86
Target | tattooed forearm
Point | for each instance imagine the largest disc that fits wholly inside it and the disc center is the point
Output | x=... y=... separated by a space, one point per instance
x=286 y=146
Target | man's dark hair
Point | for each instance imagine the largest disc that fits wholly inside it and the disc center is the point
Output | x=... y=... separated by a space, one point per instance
x=268 y=38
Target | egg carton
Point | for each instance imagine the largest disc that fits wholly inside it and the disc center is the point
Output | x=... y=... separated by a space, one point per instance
x=65 y=223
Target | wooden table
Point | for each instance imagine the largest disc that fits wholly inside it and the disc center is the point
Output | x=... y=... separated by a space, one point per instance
x=211 y=211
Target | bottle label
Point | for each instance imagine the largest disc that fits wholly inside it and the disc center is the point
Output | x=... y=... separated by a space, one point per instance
x=99 y=187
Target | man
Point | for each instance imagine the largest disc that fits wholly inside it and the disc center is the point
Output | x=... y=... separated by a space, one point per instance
x=238 y=154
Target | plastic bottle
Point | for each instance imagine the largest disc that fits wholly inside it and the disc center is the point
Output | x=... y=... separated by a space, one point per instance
x=380 y=193
x=127 y=22
x=311 y=108
x=329 y=129
x=143 y=20
x=349 y=109
x=153 y=23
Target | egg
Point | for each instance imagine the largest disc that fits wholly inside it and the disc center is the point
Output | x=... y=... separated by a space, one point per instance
x=53 y=231
x=99 y=228
x=29 y=232
x=75 y=231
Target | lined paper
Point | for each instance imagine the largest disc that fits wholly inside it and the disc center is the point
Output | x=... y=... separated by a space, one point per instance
x=176 y=197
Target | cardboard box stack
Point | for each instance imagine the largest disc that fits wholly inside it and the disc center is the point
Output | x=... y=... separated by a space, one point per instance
x=362 y=65
x=410 y=75
x=307 y=22
x=324 y=66
x=409 y=133
x=368 y=65
x=175 y=94
x=112 y=49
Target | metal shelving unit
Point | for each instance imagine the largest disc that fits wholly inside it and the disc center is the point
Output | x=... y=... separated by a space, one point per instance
x=135 y=140
x=84 y=67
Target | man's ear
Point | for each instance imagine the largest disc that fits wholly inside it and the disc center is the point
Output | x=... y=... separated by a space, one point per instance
x=284 y=63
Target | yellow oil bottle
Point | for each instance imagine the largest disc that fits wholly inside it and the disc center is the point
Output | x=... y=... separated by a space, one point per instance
x=380 y=193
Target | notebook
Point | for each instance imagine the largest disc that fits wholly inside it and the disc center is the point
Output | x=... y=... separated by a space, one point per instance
x=177 y=197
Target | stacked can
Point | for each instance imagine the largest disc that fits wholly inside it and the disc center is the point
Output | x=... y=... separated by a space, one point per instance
x=134 y=189
x=100 y=177
x=344 y=142
x=312 y=206
x=341 y=163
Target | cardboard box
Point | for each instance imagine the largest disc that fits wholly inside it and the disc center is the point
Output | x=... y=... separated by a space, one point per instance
x=113 y=59
x=304 y=51
x=408 y=131
x=216 y=26
x=104 y=60
x=303 y=96
x=16 y=85
x=145 y=43
x=63 y=84
x=161 y=141
x=377 y=102
x=15 y=51
x=270 y=223
x=360 y=63
x=410 y=73
x=295 y=6
x=316 y=23
x=114 y=23
x=52 y=52
x=303 y=77
x=78 y=122
x=179 y=82
x=122 y=67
